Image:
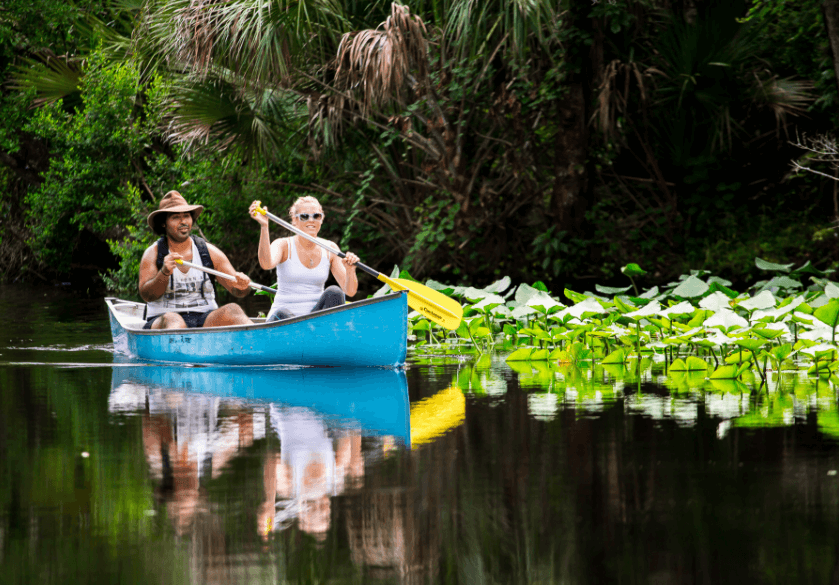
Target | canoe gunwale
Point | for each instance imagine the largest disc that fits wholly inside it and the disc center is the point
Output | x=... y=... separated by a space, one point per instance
x=113 y=303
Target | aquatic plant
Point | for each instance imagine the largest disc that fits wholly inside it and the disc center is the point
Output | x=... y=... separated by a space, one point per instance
x=696 y=324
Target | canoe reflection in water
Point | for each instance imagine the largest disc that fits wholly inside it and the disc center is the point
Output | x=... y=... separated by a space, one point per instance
x=241 y=455
x=311 y=422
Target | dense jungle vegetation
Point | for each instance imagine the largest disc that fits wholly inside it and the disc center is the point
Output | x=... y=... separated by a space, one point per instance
x=551 y=141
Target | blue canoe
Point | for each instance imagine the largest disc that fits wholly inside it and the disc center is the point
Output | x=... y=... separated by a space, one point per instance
x=371 y=332
x=371 y=400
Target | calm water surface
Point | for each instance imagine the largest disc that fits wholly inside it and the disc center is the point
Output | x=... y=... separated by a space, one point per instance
x=458 y=470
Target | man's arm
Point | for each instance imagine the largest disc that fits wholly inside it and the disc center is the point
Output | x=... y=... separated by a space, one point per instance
x=153 y=282
x=241 y=286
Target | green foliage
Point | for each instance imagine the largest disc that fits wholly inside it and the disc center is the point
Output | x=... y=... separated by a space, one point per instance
x=29 y=26
x=794 y=41
x=458 y=177
x=96 y=152
x=129 y=250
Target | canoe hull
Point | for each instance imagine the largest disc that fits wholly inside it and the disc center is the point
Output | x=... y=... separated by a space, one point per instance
x=372 y=332
x=372 y=400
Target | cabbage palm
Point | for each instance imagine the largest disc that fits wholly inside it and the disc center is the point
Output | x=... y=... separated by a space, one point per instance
x=432 y=96
x=261 y=47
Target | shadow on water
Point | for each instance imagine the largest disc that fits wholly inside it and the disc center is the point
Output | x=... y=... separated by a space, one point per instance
x=457 y=470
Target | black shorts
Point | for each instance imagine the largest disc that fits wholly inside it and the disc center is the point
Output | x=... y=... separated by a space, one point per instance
x=191 y=319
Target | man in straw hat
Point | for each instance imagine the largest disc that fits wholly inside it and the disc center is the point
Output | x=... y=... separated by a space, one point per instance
x=178 y=296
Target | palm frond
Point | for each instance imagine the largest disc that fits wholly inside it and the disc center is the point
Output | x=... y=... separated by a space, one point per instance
x=379 y=65
x=783 y=96
x=52 y=77
x=475 y=27
x=216 y=112
x=256 y=38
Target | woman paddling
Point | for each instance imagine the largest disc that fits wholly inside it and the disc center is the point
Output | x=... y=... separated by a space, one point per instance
x=302 y=266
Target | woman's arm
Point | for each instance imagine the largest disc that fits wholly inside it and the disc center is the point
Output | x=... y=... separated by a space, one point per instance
x=343 y=269
x=269 y=253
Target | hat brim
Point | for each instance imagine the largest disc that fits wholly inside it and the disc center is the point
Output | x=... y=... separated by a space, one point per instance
x=176 y=209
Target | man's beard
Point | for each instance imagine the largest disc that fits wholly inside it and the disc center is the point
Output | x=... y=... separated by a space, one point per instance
x=176 y=236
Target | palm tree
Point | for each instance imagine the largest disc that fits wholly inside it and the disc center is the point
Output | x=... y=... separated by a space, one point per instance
x=436 y=106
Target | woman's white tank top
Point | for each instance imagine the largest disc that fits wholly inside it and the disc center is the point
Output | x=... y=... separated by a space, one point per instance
x=186 y=294
x=299 y=287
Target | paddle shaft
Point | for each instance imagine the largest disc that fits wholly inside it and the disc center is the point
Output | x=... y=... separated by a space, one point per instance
x=224 y=275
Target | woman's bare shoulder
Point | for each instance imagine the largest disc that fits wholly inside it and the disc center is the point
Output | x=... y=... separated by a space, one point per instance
x=281 y=246
x=331 y=244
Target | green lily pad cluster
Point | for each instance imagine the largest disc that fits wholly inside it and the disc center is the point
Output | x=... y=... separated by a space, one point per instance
x=591 y=388
x=696 y=324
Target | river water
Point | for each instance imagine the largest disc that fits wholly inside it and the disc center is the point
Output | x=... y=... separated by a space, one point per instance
x=460 y=469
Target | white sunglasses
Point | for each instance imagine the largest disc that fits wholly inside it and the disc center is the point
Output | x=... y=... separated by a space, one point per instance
x=306 y=216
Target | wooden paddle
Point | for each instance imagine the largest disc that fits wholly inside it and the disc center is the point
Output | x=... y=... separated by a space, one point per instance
x=224 y=275
x=433 y=304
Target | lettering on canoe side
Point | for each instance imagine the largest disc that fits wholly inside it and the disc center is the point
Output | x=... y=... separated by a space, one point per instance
x=179 y=339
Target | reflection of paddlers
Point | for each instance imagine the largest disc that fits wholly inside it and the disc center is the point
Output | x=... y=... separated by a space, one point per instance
x=311 y=468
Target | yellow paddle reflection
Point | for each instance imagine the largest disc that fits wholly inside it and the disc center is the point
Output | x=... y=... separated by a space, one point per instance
x=432 y=417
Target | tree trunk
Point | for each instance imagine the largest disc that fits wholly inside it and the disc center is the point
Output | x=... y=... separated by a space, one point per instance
x=831 y=22
x=571 y=182
x=571 y=190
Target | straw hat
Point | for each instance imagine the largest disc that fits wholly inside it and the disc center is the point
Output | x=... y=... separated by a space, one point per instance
x=173 y=202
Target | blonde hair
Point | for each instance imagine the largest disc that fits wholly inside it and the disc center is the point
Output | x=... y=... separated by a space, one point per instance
x=300 y=201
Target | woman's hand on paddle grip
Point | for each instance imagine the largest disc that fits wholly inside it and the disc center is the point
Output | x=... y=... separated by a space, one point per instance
x=258 y=217
x=350 y=260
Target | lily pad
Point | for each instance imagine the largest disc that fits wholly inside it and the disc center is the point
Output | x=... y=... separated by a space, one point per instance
x=616 y=357
x=489 y=302
x=764 y=300
x=499 y=286
x=730 y=386
x=726 y=319
x=766 y=265
x=808 y=268
x=690 y=364
x=828 y=313
x=726 y=372
x=522 y=311
x=520 y=355
x=589 y=305
x=682 y=308
x=653 y=308
x=691 y=288
x=750 y=344
x=609 y=290
x=539 y=355
x=716 y=301
x=440 y=287
x=780 y=283
x=633 y=270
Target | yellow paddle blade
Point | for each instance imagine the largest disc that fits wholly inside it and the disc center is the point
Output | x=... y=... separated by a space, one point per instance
x=433 y=304
x=433 y=416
